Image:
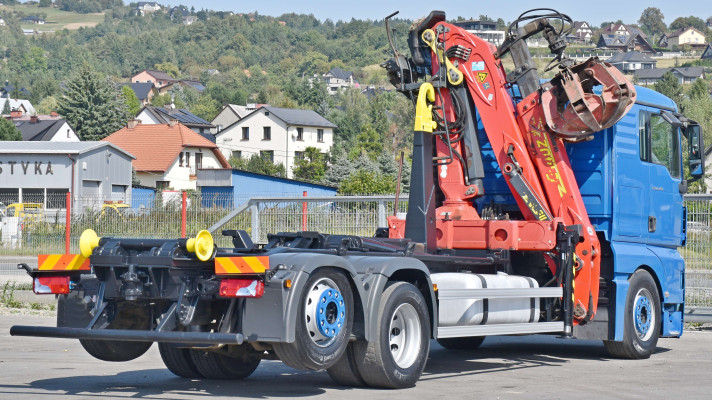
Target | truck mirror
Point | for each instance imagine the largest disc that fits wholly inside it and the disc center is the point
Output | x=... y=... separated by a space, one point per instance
x=693 y=132
x=671 y=119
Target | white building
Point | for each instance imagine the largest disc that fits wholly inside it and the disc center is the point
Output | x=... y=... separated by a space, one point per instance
x=232 y=113
x=168 y=156
x=278 y=134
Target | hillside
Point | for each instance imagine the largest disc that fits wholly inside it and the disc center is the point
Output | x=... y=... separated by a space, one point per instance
x=55 y=19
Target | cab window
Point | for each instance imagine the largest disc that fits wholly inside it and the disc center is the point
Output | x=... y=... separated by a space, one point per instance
x=659 y=142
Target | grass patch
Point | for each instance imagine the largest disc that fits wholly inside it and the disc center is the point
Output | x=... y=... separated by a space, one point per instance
x=56 y=19
x=7 y=298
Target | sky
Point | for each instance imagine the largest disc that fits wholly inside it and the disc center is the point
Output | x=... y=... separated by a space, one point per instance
x=604 y=10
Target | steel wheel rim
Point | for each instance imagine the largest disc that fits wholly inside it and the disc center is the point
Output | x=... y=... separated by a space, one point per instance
x=644 y=314
x=404 y=339
x=324 y=312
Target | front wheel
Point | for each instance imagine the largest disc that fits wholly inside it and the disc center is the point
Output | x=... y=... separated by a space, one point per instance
x=642 y=319
x=397 y=356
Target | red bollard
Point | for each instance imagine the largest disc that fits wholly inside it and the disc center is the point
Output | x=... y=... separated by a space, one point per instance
x=304 y=213
x=68 y=226
x=184 y=214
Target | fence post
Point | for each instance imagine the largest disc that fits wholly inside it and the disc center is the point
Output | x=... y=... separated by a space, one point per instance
x=382 y=214
x=68 y=226
x=183 y=214
x=255 y=210
x=304 y=213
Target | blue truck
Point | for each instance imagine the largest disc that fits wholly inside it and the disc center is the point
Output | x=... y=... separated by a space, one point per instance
x=535 y=208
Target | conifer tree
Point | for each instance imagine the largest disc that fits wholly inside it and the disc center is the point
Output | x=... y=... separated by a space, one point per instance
x=92 y=105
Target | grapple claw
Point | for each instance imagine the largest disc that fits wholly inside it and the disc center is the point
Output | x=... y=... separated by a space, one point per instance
x=573 y=111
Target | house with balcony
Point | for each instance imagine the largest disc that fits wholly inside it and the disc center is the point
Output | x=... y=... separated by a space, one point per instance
x=278 y=134
x=683 y=37
x=168 y=156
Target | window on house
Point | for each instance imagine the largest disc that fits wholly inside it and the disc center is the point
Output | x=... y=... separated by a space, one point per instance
x=298 y=155
x=187 y=159
x=300 y=134
x=237 y=154
x=180 y=159
x=267 y=155
x=245 y=133
x=69 y=131
x=320 y=135
x=162 y=185
x=267 y=133
x=220 y=128
x=198 y=160
x=266 y=113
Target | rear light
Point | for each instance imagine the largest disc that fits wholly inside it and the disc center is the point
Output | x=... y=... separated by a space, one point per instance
x=242 y=288
x=51 y=285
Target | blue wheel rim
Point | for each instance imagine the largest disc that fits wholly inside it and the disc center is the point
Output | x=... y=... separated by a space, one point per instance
x=330 y=313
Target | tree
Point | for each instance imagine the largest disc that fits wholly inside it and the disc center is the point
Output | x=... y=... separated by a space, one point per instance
x=133 y=105
x=169 y=68
x=651 y=20
x=8 y=130
x=92 y=104
x=6 y=108
x=364 y=182
x=311 y=167
x=47 y=105
x=258 y=165
x=45 y=3
x=206 y=107
x=699 y=90
x=686 y=22
x=669 y=86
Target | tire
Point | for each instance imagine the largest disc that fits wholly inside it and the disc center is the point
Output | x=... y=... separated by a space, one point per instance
x=117 y=350
x=178 y=360
x=324 y=322
x=642 y=319
x=462 y=343
x=345 y=371
x=397 y=356
x=218 y=366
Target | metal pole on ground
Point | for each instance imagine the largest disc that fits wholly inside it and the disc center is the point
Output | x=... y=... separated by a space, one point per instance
x=183 y=214
x=68 y=226
x=304 y=213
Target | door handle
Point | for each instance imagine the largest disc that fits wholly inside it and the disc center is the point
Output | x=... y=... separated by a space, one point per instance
x=652 y=224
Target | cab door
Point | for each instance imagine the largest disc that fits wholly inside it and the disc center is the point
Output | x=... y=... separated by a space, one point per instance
x=660 y=151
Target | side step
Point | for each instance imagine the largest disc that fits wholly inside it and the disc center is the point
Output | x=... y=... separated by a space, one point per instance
x=502 y=328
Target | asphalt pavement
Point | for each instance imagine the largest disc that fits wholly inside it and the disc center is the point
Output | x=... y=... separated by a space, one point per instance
x=531 y=367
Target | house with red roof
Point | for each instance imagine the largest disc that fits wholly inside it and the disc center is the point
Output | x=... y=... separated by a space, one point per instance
x=168 y=156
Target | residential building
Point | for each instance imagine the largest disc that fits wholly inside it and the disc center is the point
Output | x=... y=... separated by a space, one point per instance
x=143 y=90
x=18 y=107
x=158 y=78
x=683 y=37
x=582 y=30
x=707 y=53
x=6 y=91
x=42 y=172
x=193 y=83
x=631 y=61
x=337 y=79
x=52 y=129
x=189 y=20
x=179 y=12
x=683 y=74
x=31 y=19
x=145 y=7
x=622 y=38
x=486 y=30
x=232 y=113
x=167 y=155
x=2 y=22
x=163 y=115
x=278 y=134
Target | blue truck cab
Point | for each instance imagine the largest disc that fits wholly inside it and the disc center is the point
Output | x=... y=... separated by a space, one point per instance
x=632 y=182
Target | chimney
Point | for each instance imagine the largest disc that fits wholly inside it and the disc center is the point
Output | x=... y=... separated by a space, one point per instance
x=172 y=122
x=132 y=123
x=34 y=119
x=15 y=114
x=53 y=114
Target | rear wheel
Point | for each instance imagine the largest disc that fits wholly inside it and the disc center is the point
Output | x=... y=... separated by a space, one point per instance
x=462 y=343
x=219 y=366
x=397 y=356
x=178 y=360
x=127 y=317
x=324 y=323
x=345 y=371
x=642 y=319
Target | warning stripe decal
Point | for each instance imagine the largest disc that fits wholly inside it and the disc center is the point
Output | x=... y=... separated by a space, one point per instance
x=241 y=265
x=62 y=262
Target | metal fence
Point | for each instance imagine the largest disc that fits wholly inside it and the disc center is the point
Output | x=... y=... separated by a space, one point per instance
x=43 y=228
